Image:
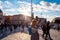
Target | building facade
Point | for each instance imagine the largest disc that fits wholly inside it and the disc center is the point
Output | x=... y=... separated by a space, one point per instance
x=2 y=19
x=17 y=19
x=7 y=20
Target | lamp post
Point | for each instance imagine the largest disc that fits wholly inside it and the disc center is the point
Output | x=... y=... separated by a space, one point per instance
x=32 y=14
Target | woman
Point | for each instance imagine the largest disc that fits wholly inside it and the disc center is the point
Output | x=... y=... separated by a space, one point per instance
x=34 y=28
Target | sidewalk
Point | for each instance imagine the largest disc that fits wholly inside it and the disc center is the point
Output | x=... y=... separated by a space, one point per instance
x=55 y=35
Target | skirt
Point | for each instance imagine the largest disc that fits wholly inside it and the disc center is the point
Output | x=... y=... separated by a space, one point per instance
x=35 y=36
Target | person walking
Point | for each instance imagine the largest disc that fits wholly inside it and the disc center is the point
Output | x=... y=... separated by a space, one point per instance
x=48 y=30
x=34 y=29
x=44 y=28
x=29 y=30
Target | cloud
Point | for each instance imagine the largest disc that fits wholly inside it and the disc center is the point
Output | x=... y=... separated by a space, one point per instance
x=50 y=6
x=1 y=4
x=11 y=10
x=25 y=8
x=7 y=4
x=7 y=7
x=43 y=3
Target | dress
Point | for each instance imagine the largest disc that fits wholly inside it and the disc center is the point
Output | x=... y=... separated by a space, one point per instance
x=34 y=28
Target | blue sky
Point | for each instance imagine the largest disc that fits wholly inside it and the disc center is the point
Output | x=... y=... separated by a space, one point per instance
x=49 y=8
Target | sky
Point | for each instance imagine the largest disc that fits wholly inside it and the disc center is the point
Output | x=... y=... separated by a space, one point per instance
x=42 y=8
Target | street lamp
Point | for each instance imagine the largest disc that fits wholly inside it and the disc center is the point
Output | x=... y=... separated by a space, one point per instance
x=32 y=14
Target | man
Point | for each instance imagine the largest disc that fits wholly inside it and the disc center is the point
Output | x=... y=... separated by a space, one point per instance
x=44 y=28
x=48 y=30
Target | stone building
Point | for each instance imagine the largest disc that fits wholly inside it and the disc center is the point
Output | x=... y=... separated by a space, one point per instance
x=17 y=19
x=56 y=22
x=7 y=20
x=2 y=19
